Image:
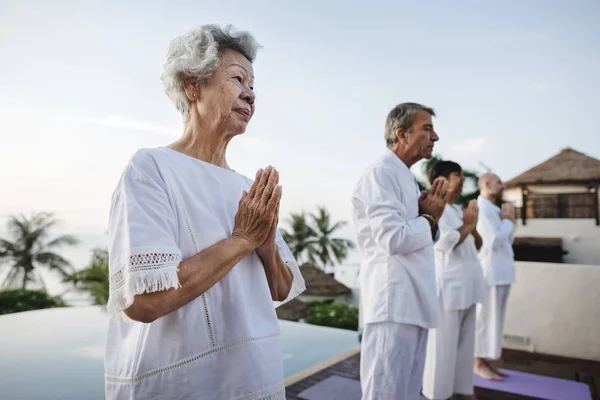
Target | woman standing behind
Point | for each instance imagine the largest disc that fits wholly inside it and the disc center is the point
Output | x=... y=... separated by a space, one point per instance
x=449 y=362
x=196 y=261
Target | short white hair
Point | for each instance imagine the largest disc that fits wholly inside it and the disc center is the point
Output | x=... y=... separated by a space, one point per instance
x=195 y=55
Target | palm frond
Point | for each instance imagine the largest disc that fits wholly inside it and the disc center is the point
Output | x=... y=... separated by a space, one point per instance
x=63 y=240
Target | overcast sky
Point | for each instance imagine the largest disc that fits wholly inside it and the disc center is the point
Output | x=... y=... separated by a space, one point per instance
x=512 y=82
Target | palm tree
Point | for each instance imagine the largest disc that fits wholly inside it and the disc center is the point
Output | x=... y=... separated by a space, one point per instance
x=310 y=240
x=31 y=249
x=329 y=248
x=301 y=238
x=428 y=165
x=93 y=279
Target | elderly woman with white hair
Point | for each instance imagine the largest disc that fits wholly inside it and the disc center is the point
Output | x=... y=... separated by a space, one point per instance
x=197 y=265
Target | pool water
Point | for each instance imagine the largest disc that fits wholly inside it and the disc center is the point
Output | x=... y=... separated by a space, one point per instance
x=59 y=353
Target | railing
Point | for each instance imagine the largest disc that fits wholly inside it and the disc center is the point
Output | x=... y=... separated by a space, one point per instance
x=560 y=205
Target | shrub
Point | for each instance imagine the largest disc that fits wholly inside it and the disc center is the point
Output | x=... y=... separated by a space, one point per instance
x=334 y=315
x=17 y=300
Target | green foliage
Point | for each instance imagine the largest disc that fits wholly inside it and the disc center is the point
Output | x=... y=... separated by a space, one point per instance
x=311 y=238
x=335 y=315
x=18 y=300
x=31 y=248
x=93 y=279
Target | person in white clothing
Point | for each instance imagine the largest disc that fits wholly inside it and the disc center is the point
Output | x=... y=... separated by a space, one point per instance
x=196 y=263
x=460 y=285
x=497 y=227
x=396 y=224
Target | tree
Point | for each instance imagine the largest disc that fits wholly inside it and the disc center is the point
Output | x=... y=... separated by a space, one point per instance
x=31 y=249
x=18 y=300
x=301 y=238
x=93 y=279
x=329 y=248
x=310 y=238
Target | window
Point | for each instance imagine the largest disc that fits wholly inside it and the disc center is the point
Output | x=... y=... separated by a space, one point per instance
x=563 y=205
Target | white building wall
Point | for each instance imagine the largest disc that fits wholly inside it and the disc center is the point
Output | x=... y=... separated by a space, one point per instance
x=581 y=237
x=555 y=308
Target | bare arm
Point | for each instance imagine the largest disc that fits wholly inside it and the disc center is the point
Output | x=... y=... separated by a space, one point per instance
x=278 y=274
x=464 y=231
x=478 y=239
x=252 y=226
x=196 y=275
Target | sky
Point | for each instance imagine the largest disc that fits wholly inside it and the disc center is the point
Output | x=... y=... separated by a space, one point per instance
x=512 y=83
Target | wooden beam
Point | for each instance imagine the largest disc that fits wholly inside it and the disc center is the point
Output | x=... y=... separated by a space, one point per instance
x=596 y=206
x=524 y=205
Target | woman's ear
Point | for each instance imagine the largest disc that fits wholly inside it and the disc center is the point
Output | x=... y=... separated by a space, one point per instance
x=191 y=90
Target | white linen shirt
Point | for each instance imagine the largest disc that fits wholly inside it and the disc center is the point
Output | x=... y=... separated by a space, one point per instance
x=458 y=270
x=496 y=254
x=397 y=274
x=224 y=344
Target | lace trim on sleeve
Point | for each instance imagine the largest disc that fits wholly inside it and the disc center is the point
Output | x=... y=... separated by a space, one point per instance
x=142 y=272
x=298 y=285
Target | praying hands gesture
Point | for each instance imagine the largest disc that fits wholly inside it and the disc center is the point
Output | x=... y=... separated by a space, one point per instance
x=470 y=215
x=434 y=201
x=507 y=212
x=256 y=221
x=257 y=216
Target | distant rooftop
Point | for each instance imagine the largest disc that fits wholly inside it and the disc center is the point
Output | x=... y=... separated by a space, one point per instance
x=293 y=310
x=318 y=283
x=568 y=166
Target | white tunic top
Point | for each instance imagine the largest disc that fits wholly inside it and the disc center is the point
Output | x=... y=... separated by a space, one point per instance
x=497 y=256
x=397 y=274
x=226 y=343
x=458 y=270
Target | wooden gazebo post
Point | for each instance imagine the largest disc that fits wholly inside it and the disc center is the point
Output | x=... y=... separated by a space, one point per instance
x=524 y=193
x=596 y=206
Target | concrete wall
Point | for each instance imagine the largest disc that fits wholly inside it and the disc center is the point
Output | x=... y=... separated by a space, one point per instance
x=555 y=309
x=581 y=237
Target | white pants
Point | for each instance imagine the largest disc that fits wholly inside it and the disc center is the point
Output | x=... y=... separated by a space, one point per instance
x=490 y=322
x=392 y=361
x=449 y=362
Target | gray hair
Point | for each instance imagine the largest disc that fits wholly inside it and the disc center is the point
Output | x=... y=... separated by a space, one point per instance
x=195 y=56
x=402 y=117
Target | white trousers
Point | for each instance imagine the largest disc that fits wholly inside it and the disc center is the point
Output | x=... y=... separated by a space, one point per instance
x=490 y=322
x=449 y=361
x=392 y=361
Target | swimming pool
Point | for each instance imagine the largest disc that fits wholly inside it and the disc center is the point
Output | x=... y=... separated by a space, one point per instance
x=59 y=353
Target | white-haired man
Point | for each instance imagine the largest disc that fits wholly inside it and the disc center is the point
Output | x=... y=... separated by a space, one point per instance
x=396 y=225
x=496 y=225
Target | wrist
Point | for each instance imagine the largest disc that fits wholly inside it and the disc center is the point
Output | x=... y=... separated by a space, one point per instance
x=430 y=218
x=242 y=243
x=267 y=250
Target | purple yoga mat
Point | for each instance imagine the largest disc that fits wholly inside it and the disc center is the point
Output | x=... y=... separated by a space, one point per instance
x=542 y=387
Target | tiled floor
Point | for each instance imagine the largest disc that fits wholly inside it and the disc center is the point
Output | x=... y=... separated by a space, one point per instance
x=559 y=367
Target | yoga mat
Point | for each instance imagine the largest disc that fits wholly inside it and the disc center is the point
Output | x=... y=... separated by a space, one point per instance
x=543 y=387
x=333 y=388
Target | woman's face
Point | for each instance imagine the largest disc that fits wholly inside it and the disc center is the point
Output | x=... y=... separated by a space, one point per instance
x=455 y=182
x=226 y=102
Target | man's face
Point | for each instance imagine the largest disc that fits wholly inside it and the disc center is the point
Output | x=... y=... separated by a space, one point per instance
x=495 y=186
x=422 y=137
